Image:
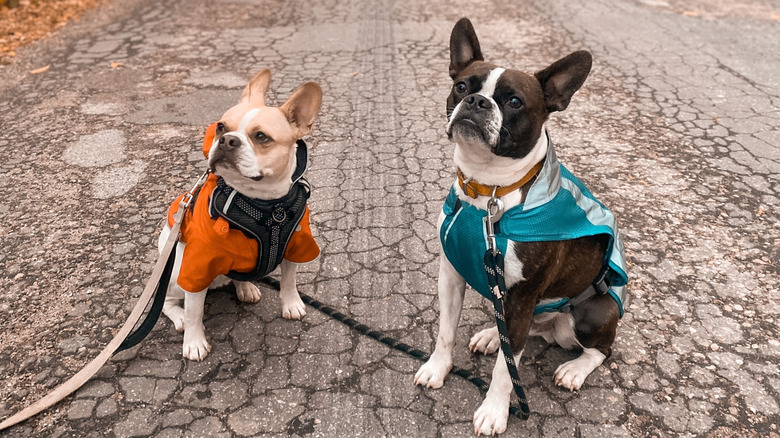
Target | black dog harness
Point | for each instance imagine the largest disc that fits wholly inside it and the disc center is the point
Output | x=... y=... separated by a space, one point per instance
x=270 y=222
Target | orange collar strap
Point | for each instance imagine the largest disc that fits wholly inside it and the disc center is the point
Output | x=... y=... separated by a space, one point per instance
x=473 y=189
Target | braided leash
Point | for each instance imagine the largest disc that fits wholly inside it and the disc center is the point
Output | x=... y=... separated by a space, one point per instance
x=494 y=268
x=392 y=342
x=495 y=273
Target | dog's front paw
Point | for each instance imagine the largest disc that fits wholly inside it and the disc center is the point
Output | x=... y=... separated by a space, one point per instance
x=491 y=417
x=485 y=342
x=195 y=346
x=247 y=292
x=433 y=372
x=292 y=306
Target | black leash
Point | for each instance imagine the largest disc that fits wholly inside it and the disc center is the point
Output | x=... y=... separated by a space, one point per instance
x=494 y=268
x=159 y=299
x=396 y=344
x=496 y=278
x=494 y=264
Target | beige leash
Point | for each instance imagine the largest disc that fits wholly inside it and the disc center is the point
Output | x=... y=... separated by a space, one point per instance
x=78 y=380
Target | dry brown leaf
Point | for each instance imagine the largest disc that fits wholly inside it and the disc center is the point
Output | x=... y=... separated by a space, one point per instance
x=117 y=64
x=775 y=17
x=690 y=13
x=35 y=19
x=40 y=70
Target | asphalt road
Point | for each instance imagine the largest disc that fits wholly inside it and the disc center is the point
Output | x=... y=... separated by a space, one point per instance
x=677 y=130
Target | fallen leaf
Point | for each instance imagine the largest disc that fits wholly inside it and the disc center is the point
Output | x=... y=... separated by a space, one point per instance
x=117 y=64
x=40 y=70
x=690 y=13
x=775 y=17
x=11 y=53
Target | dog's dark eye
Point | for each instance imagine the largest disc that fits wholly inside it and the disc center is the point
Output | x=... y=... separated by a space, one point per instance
x=220 y=127
x=515 y=102
x=460 y=87
x=261 y=137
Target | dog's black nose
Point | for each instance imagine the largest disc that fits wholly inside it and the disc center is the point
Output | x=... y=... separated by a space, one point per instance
x=477 y=102
x=229 y=141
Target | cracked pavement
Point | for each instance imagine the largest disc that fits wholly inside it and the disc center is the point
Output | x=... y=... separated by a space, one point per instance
x=676 y=130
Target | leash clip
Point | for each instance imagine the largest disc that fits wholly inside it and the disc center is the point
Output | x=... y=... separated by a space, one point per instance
x=185 y=201
x=494 y=207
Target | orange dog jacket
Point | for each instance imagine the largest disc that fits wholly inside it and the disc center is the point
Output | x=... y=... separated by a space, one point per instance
x=213 y=247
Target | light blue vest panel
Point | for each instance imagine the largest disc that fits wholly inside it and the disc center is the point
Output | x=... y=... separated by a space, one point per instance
x=558 y=207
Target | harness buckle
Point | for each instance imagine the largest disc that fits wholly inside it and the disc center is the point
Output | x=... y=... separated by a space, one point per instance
x=600 y=283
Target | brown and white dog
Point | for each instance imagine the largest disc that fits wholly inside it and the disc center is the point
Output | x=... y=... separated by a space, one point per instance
x=497 y=120
x=253 y=150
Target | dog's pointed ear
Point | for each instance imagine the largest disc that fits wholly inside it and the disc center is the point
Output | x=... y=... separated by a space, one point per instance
x=254 y=92
x=302 y=107
x=464 y=47
x=563 y=78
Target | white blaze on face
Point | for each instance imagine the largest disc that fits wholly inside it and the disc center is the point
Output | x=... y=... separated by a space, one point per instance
x=489 y=86
x=495 y=120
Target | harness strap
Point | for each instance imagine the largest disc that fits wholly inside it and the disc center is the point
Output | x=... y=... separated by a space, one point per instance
x=494 y=267
x=271 y=223
x=600 y=286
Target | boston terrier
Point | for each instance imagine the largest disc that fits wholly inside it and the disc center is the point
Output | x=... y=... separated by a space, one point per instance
x=564 y=264
x=250 y=215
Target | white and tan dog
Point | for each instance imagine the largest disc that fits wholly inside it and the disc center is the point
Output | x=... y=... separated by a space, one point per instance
x=251 y=215
x=564 y=266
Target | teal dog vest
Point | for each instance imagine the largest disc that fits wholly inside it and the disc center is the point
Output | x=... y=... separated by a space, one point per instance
x=558 y=207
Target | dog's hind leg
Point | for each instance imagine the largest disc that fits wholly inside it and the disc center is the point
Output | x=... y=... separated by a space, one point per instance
x=594 y=329
x=572 y=374
x=485 y=341
x=247 y=292
x=174 y=295
x=172 y=307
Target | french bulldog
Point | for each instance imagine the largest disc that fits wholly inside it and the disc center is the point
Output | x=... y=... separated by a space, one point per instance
x=250 y=215
x=564 y=266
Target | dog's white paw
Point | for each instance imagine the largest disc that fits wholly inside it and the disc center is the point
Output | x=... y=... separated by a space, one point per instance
x=572 y=374
x=433 y=372
x=195 y=346
x=485 y=342
x=491 y=417
x=292 y=306
x=247 y=292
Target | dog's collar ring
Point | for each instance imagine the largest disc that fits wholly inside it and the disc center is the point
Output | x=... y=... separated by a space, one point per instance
x=279 y=215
